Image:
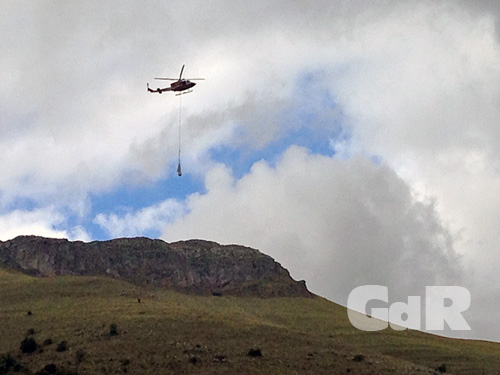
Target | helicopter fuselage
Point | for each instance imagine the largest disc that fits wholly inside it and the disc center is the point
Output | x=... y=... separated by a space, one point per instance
x=181 y=85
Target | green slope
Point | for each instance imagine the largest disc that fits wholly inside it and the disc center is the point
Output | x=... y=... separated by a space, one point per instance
x=168 y=332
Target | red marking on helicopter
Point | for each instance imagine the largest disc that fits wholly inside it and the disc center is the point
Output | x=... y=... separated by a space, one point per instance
x=180 y=85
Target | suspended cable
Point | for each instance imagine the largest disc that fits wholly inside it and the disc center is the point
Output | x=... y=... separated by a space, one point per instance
x=179 y=171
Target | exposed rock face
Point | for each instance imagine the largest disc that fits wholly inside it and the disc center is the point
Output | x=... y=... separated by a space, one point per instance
x=190 y=266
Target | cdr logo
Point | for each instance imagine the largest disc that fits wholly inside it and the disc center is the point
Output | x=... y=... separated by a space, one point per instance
x=442 y=304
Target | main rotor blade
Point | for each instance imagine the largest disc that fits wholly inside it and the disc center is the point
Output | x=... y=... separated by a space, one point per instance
x=175 y=79
x=182 y=69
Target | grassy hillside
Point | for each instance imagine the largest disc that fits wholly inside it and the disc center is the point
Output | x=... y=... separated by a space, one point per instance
x=90 y=325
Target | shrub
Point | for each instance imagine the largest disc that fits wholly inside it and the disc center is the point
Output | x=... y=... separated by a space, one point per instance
x=113 y=329
x=125 y=362
x=28 y=345
x=194 y=360
x=48 y=370
x=441 y=368
x=62 y=346
x=359 y=358
x=255 y=353
x=8 y=364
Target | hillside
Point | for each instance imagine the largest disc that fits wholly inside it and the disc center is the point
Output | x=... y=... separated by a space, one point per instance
x=193 y=266
x=95 y=325
x=74 y=324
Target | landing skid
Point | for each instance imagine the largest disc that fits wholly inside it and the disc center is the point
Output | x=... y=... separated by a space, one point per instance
x=184 y=92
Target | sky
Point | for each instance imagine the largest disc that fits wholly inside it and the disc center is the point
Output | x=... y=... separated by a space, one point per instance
x=356 y=142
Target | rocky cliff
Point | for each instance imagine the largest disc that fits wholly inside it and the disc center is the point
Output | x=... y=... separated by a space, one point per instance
x=193 y=266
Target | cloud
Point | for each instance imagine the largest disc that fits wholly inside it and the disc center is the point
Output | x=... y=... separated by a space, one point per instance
x=39 y=222
x=75 y=105
x=84 y=122
x=336 y=223
x=150 y=219
x=423 y=95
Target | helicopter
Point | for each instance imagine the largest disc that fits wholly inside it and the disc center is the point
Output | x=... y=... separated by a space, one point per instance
x=181 y=85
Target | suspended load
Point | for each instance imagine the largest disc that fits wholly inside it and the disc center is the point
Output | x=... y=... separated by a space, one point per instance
x=179 y=171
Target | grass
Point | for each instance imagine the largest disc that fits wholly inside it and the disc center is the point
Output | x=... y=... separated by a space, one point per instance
x=169 y=332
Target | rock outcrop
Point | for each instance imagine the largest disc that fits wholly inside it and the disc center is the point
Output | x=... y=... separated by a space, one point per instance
x=193 y=266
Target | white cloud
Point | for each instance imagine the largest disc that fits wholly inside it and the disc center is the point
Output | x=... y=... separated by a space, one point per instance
x=39 y=222
x=424 y=95
x=84 y=122
x=336 y=223
x=131 y=224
